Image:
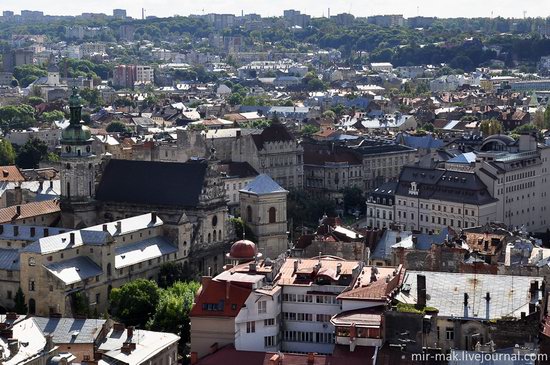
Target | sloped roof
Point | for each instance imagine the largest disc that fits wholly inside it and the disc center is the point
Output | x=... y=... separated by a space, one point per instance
x=276 y=132
x=11 y=173
x=219 y=299
x=70 y=330
x=141 y=251
x=74 y=270
x=263 y=185
x=29 y=210
x=152 y=183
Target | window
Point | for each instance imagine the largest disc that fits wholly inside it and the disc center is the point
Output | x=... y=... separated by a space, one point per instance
x=269 y=341
x=269 y=322
x=250 y=327
x=450 y=333
x=249 y=214
x=262 y=307
x=323 y=317
x=272 y=215
x=97 y=297
x=31 y=285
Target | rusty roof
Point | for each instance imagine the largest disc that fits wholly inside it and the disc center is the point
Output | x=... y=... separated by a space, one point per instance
x=29 y=210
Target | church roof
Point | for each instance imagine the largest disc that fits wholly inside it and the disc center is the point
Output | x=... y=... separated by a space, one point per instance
x=152 y=183
x=262 y=185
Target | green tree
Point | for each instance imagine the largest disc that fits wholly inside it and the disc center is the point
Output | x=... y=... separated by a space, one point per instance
x=92 y=96
x=490 y=127
x=55 y=115
x=35 y=100
x=20 y=306
x=329 y=114
x=171 y=272
x=135 y=302
x=172 y=311
x=429 y=127
x=353 y=199
x=547 y=117
x=7 y=153
x=240 y=227
x=117 y=127
x=17 y=117
x=310 y=129
x=31 y=153
x=27 y=74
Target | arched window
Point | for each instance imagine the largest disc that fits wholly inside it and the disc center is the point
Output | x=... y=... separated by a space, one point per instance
x=209 y=238
x=220 y=234
x=214 y=221
x=68 y=189
x=249 y=213
x=272 y=215
x=109 y=269
x=214 y=235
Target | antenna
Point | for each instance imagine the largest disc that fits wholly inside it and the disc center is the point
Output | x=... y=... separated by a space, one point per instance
x=142 y=13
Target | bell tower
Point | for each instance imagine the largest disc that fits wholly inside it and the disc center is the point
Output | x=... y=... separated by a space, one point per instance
x=78 y=170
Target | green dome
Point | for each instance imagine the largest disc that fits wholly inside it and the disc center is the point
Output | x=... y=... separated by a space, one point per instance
x=76 y=133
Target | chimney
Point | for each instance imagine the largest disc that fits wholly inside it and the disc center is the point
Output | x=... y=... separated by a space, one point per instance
x=130 y=332
x=119 y=226
x=421 y=290
x=466 y=296
x=40 y=185
x=49 y=342
x=105 y=228
x=5 y=173
x=295 y=266
x=275 y=359
x=51 y=184
x=16 y=230
x=13 y=346
x=338 y=269
x=194 y=358
x=46 y=232
x=17 y=210
x=71 y=238
x=310 y=358
x=153 y=217
x=252 y=267
x=33 y=231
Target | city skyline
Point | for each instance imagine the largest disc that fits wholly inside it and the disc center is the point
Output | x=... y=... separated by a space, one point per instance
x=165 y=8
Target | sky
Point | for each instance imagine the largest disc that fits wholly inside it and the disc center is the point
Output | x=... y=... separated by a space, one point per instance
x=409 y=8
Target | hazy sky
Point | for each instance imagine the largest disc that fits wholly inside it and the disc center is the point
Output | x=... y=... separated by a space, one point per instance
x=440 y=8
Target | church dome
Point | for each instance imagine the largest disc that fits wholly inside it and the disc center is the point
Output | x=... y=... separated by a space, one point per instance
x=243 y=249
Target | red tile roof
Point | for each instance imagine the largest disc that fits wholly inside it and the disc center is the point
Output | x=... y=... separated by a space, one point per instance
x=11 y=174
x=219 y=299
x=29 y=210
x=378 y=290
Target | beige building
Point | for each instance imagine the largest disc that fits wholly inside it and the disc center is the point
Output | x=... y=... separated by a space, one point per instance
x=56 y=271
x=275 y=152
x=263 y=208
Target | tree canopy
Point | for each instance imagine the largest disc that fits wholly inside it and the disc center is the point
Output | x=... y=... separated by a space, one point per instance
x=135 y=302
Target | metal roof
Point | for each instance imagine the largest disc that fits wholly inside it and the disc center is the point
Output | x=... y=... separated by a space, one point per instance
x=148 y=249
x=262 y=185
x=74 y=270
x=509 y=295
x=70 y=330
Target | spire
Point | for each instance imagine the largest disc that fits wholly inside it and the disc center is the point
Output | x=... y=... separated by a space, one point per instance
x=75 y=105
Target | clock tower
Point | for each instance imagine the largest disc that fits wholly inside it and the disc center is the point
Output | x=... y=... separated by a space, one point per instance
x=78 y=170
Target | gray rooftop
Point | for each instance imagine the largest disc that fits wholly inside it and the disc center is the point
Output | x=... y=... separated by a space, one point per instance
x=74 y=270
x=263 y=185
x=142 y=251
x=70 y=330
x=509 y=295
x=9 y=259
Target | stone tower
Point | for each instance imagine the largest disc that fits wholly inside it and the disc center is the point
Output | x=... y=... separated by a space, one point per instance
x=78 y=166
x=263 y=209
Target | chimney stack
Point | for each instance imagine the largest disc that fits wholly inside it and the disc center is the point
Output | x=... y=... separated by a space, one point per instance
x=421 y=290
x=130 y=332
x=119 y=226
x=51 y=184
x=310 y=358
x=17 y=210
x=153 y=217
x=71 y=238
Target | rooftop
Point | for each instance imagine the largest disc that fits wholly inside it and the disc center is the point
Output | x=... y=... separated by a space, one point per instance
x=263 y=185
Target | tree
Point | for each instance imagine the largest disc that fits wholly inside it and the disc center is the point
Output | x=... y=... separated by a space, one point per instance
x=55 y=115
x=547 y=117
x=92 y=96
x=429 y=127
x=172 y=311
x=27 y=74
x=35 y=100
x=490 y=127
x=310 y=129
x=17 y=117
x=538 y=119
x=31 y=153
x=117 y=127
x=329 y=114
x=353 y=199
x=7 y=154
x=135 y=302
x=20 y=306
x=171 y=272
x=240 y=227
